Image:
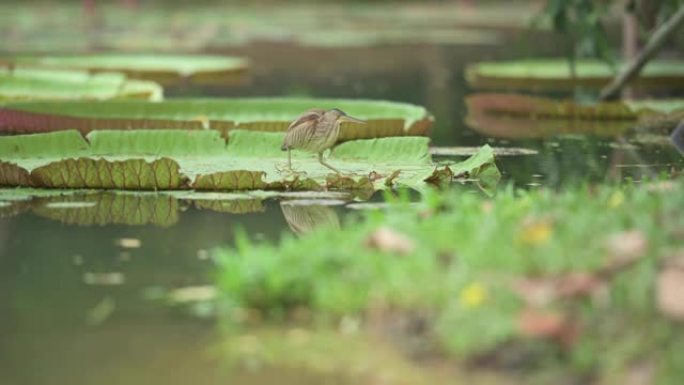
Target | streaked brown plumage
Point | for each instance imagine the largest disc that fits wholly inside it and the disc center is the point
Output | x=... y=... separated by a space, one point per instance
x=316 y=131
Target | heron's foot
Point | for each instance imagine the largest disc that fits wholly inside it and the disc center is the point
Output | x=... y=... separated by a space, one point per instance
x=286 y=169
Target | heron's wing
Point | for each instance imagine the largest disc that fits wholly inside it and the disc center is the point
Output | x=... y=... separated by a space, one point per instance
x=311 y=115
x=302 y=129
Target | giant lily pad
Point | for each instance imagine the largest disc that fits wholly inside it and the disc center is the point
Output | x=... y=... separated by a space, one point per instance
x=262 y=114
x=17 y=84
x=556 y=74
x=161 y=68
x=175 y=159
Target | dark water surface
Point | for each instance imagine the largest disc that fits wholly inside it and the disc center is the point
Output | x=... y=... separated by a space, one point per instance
x=72 y=304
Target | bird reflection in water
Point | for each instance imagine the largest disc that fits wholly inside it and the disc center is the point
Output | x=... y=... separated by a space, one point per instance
x=304 y=218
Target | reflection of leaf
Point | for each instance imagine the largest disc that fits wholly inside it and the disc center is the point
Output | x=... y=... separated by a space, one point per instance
x=515 y=115
x=11 y=208
x=514 y=128
x=556 y=74
x=88 y=207
x=129 y=209
x=162 y=68
x=533 y=107
x=260 y=114
x=174 y=159
x=237 y=206
x=303 y=219
x=35 y=84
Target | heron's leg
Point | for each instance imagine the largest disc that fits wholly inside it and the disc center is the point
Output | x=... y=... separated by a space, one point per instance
x=321 y=161
x=289 y=159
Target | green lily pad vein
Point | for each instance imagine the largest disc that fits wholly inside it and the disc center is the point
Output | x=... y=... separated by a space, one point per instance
x=201 y=160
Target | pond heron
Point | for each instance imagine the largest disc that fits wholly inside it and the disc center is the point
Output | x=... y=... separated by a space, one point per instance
x=316 y=131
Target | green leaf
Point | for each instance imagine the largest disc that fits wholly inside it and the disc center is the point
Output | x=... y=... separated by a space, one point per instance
x=261 y=114
x=20 y=84
x=555 y=74
x=175 y=159
x=160 y=68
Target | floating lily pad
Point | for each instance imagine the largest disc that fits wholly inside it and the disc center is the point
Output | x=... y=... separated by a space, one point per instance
x=556 y=74
x=261 y=114
x=160 y=68
x=19 y=84
x=200 y=160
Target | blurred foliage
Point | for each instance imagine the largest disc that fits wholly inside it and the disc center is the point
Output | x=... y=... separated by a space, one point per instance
x=583 y=22
x=453 y=259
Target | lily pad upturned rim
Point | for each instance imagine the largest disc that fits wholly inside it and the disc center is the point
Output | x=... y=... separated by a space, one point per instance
x=550 y=74
x=385 y=118
x=163 y=68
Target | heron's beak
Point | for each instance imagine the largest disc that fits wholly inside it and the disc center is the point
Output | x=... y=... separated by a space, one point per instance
x=347 y=118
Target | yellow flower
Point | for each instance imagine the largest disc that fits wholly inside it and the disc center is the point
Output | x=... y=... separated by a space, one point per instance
x=616 y=199
x=536 y=233
x=472 y=295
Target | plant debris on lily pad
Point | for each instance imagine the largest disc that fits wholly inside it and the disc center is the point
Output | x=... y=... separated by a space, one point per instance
x=383 y=118
x=201 y=160
x=161 y=68
x=549 y=74
x=28 y=84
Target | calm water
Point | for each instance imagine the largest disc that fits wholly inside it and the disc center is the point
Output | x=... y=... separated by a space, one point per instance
x=56 y=277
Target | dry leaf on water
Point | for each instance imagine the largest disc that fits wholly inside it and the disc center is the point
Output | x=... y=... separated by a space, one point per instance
x=104 y=279
x=390 y=241
x=128 y=243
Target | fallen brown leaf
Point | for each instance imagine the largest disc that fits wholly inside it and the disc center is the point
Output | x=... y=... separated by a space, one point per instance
x=540 y=323
x=390 y=241
x=542 y=291
x=670 y=288
x=548 y=324
x=625 y=248
x=535 y=292
x=578 y=284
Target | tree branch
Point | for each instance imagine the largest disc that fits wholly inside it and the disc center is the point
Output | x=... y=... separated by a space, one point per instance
x=657 y=40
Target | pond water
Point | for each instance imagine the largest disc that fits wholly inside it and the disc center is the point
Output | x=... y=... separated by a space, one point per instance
x=73 y=308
